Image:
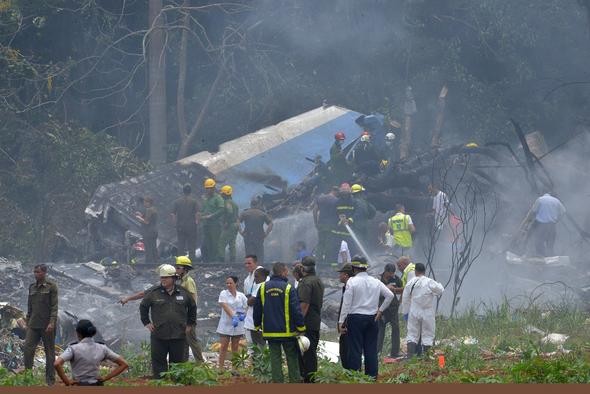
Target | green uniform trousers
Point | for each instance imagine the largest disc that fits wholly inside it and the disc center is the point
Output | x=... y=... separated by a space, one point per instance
x=211 y=242
x=228 y=239
x=193 y=342
x=160 y=348
x=289 y=345
x=34 y=335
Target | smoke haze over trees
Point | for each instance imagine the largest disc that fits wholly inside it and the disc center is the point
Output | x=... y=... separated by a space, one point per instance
x=75 y=90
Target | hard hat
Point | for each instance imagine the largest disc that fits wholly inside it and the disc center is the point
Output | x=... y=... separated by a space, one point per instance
x=359 y=262
x=471 y=145
x=357 y=188
x=383 y=163
x=389 y=137
x=227 y=190
x=345 y=187
x=365 y=138
x=209 y=183
x=184 y=261
x=303 y=343
x=167 y=270
x=365 y=132
x=339 y=136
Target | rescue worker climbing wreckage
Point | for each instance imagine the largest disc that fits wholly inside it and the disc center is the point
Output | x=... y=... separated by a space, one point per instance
x=211 y=217
x=365 y=157
x=338 y=165
x=277 y=313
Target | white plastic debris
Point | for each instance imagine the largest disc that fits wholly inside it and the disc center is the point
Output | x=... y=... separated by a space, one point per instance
x=470 y=341
x=329 y=350
x=555 y=339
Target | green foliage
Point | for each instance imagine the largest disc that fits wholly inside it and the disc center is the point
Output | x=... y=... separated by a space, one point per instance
x=192 y=374
x=565 y=369
x=240 y=358
x=329 y=372
x=25 y=378
x=140 y=362
x=261 y=364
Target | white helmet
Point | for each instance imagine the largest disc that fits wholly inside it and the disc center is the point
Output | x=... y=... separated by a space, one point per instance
x=389 y=137
x=365 y=138
x=303 y=343
x=167 y=270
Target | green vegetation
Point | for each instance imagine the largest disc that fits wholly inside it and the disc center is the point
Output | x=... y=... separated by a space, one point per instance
x=25 y=378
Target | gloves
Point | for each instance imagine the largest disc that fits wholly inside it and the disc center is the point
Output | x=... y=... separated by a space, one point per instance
x=241 y=316
x=235 y=320
x=405 y=317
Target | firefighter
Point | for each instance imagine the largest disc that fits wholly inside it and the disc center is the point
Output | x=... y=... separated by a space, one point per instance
x=230 y=223
x=402 y=227
x=278 y=313
x=345 y=211
x=364 y=212
x=338 y=164
x=211 y=216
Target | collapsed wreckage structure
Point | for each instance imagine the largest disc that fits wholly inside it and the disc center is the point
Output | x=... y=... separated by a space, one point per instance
x=282 y=164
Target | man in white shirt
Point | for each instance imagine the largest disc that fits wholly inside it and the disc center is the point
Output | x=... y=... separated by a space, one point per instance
x=548 y=210
x=440 y=205
x=250 y=290
x=419 y=308
x=361 y=311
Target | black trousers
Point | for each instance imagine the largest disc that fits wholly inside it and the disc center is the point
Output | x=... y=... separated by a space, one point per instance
x=151 y=249
x=173 y=348
x=187 y=241
x=395 y=342
x=309 y=360
x=362 y=336
x=255 y=246
x=545 y=238
x=343 y=350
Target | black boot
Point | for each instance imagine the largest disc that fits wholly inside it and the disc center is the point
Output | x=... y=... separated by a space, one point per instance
x=411 y=349
x=426 y=350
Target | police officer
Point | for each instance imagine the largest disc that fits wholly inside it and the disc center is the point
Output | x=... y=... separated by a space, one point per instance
x=169 y=313
x=86 y=356
x=41 y=320
x=278 y=313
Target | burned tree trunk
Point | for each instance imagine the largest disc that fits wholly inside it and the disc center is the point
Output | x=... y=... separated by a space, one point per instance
x=157 y=84
x=409 y=111
x=440 y=117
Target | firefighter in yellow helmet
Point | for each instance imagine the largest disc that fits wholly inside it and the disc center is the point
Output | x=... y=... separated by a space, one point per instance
x=230 y=224
x=211 y=217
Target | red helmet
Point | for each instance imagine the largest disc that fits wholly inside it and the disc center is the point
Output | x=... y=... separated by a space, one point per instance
x=339 y=136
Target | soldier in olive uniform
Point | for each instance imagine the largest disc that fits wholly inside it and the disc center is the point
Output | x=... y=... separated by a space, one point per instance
x=41 y=320
x=211 y=217
x=230 y=223
x=173 y=316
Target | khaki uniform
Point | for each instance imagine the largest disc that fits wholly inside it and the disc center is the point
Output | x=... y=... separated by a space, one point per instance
x=170 y=314
x=185 y=209
x=192 y=341
x=254 y=220
x=41 y=310
x=230 y=229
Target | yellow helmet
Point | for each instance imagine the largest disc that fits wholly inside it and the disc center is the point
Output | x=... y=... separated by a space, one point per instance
x=357 y=188
x=227 y=190
x=209 y=183
x=471 y=145
x=383 y=163
x=184 y=261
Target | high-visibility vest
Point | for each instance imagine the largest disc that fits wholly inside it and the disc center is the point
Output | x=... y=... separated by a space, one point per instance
x=287 y=332
x=409 y=268
x=402 y=236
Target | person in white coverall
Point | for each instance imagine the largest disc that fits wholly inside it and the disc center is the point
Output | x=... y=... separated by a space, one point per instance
x=418 y=309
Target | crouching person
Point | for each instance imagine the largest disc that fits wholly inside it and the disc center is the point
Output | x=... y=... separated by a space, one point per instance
x=85 y=357
x=419 y=308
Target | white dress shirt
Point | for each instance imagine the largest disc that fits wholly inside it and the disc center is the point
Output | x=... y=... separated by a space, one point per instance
x=361 y=296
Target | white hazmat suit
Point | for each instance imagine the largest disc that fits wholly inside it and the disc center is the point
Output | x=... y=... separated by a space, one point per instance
x=418 y=302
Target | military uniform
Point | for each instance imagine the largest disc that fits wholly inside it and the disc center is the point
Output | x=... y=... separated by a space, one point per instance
x=214 y=207
x=230 y=228
x=185 y=210
x=192 y=341
x=170 y=314
x=41 y=310
x=254 y=220
x=311 y=291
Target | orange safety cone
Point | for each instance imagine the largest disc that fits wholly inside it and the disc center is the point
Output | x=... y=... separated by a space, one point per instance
x=441 y=361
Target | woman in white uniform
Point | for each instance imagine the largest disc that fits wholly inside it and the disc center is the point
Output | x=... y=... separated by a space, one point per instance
x=231 y=323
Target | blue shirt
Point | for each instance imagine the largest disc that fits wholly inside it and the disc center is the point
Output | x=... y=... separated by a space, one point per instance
x=548 y=209
x=302 y=253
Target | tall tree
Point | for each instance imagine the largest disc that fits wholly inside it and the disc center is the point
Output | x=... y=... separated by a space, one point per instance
x=157 y=84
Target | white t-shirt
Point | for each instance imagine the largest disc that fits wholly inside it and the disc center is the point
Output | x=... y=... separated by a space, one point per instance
x=440 y=204
x=251 y=287
x=239 y=303
x=343 y=248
